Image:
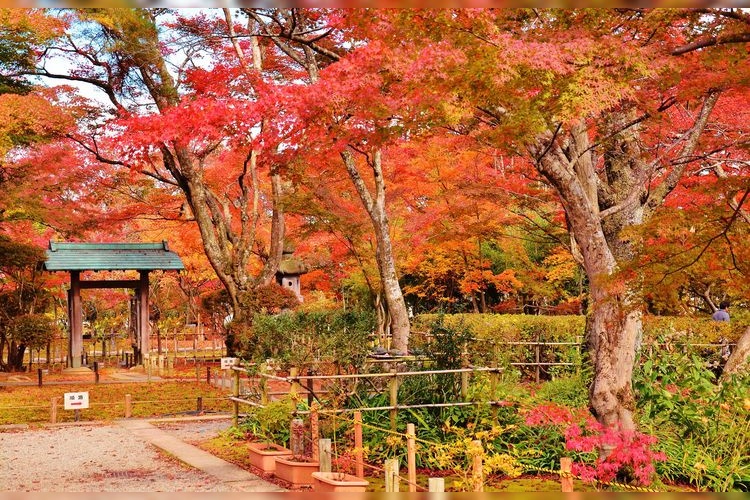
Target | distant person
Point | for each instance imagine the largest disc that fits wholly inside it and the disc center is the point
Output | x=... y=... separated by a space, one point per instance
x=721 y=314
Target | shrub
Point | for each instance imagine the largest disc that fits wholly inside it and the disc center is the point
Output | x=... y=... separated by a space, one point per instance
x=523 y=327
x=492 y=332
x=569 y=390
x=702 y=426
x=630 y=453
x=336 y=338
x=270 y=423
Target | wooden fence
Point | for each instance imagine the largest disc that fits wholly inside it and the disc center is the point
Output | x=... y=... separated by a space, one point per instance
x=189 y=346
x=394 y=381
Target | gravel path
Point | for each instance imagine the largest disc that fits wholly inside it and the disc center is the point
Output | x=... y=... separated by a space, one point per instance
x=99 y=458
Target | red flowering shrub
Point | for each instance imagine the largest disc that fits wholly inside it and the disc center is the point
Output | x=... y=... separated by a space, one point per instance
x=550 y=414
x=631 y=452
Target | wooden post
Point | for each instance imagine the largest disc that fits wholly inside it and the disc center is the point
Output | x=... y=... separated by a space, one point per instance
x=208 y=375
x=493 y=389
x=39 y=376
x=391 y=475
x=566 y=479
x=53 y=411
x=297 y=437
x=358 y=449
x=294 y=389
x=128 y=405
x=464 y=375
x=75 y=346
x=236 y=393
x=436 y=484
x=477 y=472
x=96 y=372
x=411 y=457
x=393 y=386
x=324 y=452
x=263 y=381
x=145 y=327
x=199 y=405
x=314 y=431
x=537 y=358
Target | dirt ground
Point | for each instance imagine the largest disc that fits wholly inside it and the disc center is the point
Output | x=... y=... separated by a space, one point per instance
x=100 y=458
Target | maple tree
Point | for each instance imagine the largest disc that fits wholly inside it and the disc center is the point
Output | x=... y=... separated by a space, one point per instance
x=627 y=116
x=23 y=300
x=200 y=136
x=337 y=115
x=611 y=116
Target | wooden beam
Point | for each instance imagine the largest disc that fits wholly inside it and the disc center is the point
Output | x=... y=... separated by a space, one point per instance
x=145 y=330
x=75 y=345
x=86 y=285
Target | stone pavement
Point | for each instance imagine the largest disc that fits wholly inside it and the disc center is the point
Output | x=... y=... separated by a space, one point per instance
x=235 y=477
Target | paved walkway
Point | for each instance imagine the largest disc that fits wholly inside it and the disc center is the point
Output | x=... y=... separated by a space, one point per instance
x=235 y=477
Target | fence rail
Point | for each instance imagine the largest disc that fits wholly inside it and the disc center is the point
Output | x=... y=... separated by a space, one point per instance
x=193 y=346
x=394 y=377
x=52 y=408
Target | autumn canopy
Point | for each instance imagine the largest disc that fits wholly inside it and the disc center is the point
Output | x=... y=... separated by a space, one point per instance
x=518 y=160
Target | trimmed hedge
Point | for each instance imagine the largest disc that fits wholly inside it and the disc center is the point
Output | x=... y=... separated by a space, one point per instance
x=492 y=332
x=304 y=338
x=521 y=327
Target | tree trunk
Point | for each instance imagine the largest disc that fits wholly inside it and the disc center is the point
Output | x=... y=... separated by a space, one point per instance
x=394 y=298
x=600 y=207
x=375 y=207
x=739 y=360
x=15 y=356
x=612 y=328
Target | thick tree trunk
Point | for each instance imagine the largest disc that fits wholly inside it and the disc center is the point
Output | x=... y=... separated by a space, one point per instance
x=612 y=328
x=600 y=206
x=739 y=360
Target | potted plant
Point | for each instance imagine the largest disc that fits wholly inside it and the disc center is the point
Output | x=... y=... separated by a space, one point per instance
x=338 y=482
x=296 y=469
x=263 y=454
x=268 y=427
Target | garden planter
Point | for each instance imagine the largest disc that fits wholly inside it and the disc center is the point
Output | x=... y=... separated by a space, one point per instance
x=295 y=471
x=338 y=482
x=262 y=455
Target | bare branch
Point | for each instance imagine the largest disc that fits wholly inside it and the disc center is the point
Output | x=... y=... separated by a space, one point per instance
x=712 y=41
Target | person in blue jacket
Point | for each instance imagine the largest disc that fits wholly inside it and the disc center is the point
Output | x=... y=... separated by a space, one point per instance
x=722 y=314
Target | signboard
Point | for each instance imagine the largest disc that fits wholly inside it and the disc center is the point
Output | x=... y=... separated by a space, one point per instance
x=227 y=363
x=76 y=400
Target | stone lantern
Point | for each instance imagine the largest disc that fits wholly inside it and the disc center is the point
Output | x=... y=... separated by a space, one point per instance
x=290 y=270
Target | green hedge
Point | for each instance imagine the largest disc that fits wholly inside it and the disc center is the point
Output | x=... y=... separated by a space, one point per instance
x=520 y=327
x=306 y=338
x=493 y=332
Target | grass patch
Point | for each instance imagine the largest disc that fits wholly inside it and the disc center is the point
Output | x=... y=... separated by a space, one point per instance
x=228 y=448
x=28 y=404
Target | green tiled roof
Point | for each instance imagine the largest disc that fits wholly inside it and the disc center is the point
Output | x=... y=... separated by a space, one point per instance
x=64 y=256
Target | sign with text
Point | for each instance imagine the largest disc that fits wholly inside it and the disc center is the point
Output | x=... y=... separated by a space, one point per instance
x=76 y=400
x=227 y=363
